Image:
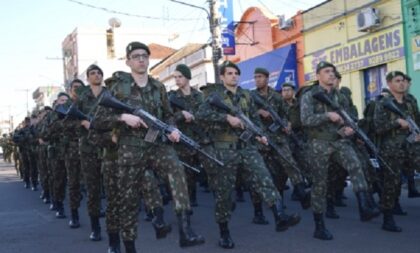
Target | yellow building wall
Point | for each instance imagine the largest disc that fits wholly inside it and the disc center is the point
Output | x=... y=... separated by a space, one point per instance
x=326 y=29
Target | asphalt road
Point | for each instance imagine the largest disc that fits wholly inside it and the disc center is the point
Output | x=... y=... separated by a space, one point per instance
x=26 y=225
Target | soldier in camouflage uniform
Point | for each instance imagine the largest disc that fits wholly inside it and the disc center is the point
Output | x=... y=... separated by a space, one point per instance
x=33 y=151
x=20 y=137
x=138 y=148
x=191 y=99
x=394 y=147
x=42 y=156
x=224 y=130
x=326 y=146
x=71 y=128
x=56 y=148
x=87 y=102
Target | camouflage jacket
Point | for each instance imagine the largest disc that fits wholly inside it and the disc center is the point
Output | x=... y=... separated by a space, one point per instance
x=314 y=114
x=276 y=102
x=215 y=119
x=385 y=121
x=151 y=98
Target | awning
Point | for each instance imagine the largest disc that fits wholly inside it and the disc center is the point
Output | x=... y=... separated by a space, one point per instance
x=281 y=63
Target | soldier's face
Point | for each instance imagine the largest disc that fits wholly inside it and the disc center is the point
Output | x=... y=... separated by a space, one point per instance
x=138 y=61
x=398 y=85
x=261 y=81
x=95 y=77
x=230 y=77
x=287 y=93
x=180 y=80
x=74 y=87
x=62 y=100
x=326 y=76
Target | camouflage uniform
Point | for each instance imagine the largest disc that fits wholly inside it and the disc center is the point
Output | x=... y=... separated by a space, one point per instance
x=135 y=155
x=190 y=157
x=279 y=168
x=326 y=146
x=393 y=145
x=234 y=153
x=21 y=138
x=89 y=153
x=72 y=161
x=42 y=157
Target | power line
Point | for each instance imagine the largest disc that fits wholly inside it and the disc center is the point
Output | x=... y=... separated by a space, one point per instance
x=129 y=14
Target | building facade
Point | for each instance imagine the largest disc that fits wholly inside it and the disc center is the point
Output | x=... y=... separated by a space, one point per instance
x=411 y=16
x=363 y=38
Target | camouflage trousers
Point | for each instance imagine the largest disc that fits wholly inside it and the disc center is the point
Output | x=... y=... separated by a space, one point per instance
x=112 y=189
x=58 y=172
x=73 y=168
x=33 y=165
x=396 y=156
x=322 y=154
x=25 y=166
x=222 y=179
x=133 y=163
x=91 y=170
x=192 y=160
x=43 y=168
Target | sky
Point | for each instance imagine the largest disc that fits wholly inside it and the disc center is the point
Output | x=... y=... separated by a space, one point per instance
x=33 y=30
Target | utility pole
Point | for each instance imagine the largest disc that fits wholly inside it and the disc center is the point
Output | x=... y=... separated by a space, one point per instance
x=213 y=18
x=215 y=39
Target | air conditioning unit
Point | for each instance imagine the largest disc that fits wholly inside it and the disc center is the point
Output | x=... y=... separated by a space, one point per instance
x=368 y=19
x=285 y=24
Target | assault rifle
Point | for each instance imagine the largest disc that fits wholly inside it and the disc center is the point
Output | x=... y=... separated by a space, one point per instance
x=376 y=159
x=110 y=101
x=414 y=129
x=277 y=120
x=250 y=128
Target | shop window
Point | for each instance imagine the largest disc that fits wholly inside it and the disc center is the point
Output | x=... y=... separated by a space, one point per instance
x=374 y=81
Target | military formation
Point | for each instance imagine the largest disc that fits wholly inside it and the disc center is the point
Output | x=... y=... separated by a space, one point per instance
x=129 y=139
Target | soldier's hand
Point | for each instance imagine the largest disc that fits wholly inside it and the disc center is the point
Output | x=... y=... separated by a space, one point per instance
x=263 y=140
x=188 y=116
x=174 y=136
x=133 y=120
x=85 y=124
x=263 y=113
x=403 y=123
x=335 y=117
x=114 y=138
x=348 y=131
x=41 y=141
x=235 y=122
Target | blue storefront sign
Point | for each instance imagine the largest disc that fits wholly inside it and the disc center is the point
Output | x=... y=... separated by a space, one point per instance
x=281 y=63
x=227 y=26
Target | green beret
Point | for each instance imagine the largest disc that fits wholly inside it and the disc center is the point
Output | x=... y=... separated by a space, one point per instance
x=393 y=74
x=185 y=70
x=262 y=71
x=346 y=91
x=228 y=64
x=63 y=94
x=288 y=85
x=323 y=65
x=136 y=45
x=93 y=67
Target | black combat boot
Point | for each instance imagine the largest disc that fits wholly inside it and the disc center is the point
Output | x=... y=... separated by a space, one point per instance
x=114 y=243
x=74 y=221
x=398 y=209
x=130 y=247
x=366 y=213
x=389 y=223
x=283 y=221
x=34 y=186
x=320 y=231
x=159 y=224
x=95 y=235
x=412 y=190
x=225 y=240
x=53 y=206
x=187 y=237
x=259 y=217
x=60 y=210
x=331 y=213
x=148 y=214
x=339 y=196
x=304 y=197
